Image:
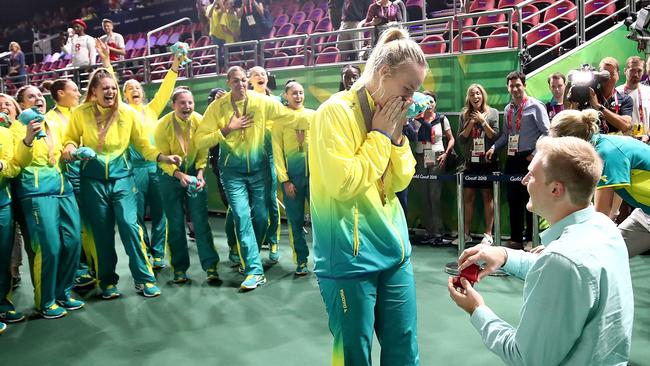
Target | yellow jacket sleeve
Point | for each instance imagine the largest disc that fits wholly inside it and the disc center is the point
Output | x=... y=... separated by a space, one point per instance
x=209 y=133
x=401 y=167
x=278 y=152
x=162 y=143
x=73 y=131
x=164 y=93
x=275 y=111
x=10 y=167
x=140 y=140
x=332 y=147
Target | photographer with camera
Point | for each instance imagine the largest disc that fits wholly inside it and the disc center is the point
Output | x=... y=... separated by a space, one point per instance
x=640 y=95
x=615 y=108
x=525 y=121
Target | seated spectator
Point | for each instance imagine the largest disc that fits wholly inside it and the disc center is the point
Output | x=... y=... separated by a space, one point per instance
x=382 y=12
x=114 y=41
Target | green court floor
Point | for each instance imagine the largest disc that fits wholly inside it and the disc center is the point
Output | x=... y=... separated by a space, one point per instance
x=282 y=323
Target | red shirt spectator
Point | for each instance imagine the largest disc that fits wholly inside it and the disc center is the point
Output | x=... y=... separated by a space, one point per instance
x=382 y=12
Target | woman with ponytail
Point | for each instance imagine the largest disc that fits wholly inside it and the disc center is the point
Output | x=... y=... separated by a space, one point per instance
x=107 y=187
x=358 y=159
x=49 y=210
x=626 y=173
x=145 y=173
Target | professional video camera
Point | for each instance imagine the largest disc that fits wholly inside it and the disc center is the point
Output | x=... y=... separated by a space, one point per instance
x=637 y=24
x=580 y=80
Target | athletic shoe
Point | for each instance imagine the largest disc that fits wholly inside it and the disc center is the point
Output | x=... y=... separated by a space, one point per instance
x=302 y=269
x=180 y=277
x=274 y=254
x=83 y=281
x=11 y=316
x=487 y=239
x=110 y=292
x=54 y=312
x=71 y=304
x=265 y=246
x=158 y=264
x=3 y=327
x=468 y=238
x=233 y=256
x=147 y=289
x=252 y=281
x=213 y=276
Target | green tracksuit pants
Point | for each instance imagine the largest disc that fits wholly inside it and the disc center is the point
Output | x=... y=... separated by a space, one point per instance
x=295 y=210
x=55 y=239
x=6 y=246
x=175 y=196
x=247 y=199
x=272 y=235
x=106 y=203
x=148 y=184
x=383 y=302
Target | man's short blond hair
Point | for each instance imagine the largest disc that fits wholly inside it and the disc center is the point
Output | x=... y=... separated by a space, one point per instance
x=574 y=163
x=634 y=60
x=610 y=61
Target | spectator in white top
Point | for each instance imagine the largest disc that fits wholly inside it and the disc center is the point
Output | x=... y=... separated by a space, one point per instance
x=114 y=41
x=640 y=95
x=80 y=45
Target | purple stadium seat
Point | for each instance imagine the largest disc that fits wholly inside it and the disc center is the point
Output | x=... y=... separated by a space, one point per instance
x=298 y=18
x=316 y=15
x=285 y=30
x=430 y=48
x=499 y=38
x=281 y=20
x=280 y=59
x=469 y=44
x=329 y=55
x=323 y=26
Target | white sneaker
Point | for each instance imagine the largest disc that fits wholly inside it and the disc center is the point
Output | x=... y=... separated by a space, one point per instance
x=487 y=239
x=456 y=241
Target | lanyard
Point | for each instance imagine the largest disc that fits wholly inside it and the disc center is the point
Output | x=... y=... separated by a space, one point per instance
x=102 y=126
x=519 y=115
x=248 y=9
x=367 y=118
x=180 y=135
x=640 y=98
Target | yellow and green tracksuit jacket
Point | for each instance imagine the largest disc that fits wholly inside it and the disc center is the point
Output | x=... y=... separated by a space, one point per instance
x=287 y=155
x=354 y=232
x=150 y=113
x=112 y=160
x=243 y=152
x=168 y=143
x=40 y=174
x=62 y=119
x=9 y=166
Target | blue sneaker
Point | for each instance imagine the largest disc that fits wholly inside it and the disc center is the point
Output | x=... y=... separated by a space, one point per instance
x=3 y=327
x=110 y=292
x=147 y=289
x=180 y=277
x=158 y=264
x=213 y=276
x=302 y=269
x=252 y=281
x=11 y=316
x=71 y=304
x=54 y=312
x=274 y=254
x=83 y=281
x=233 y=256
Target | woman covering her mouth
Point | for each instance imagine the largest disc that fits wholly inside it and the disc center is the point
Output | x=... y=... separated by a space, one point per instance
x=145 y=172
x=108 y=127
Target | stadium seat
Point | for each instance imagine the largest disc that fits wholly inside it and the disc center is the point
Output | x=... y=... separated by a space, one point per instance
x=308 y=6
x=328 y=55
x=470 y=42
x=560 y=13
x=433 y=44
x=298 y=18
x=508 y=3
x=286 y=30
x=530 y=17
x=305 y=27
x=316 y=15
x=323 y=26
x=414 y=9
x=481 y=5
x=488 y=23
x=499 y=38
x=280 y=59
x=281 y=20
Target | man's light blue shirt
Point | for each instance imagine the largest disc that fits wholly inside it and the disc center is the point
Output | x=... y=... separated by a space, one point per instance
x=578 y=305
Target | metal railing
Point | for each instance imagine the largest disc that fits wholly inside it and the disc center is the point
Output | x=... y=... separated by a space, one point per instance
x=169 y=25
